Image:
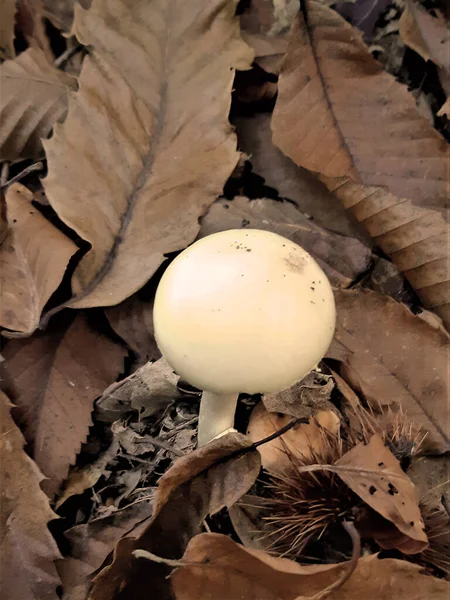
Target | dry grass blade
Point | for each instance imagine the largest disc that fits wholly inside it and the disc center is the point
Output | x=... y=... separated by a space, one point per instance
x=339 y=114
x=27 y=549
x=143 y=151
x=33 y=258
x=33 y=98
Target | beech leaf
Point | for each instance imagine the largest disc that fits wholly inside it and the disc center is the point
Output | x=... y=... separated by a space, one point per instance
x=401 y=365
x=34 y=97
x=33 y=258
x=137 y=162
x=7 y=17
x=54 y=379
x=27 y=548
x=357 y=124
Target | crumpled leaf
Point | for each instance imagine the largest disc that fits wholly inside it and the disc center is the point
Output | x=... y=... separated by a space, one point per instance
x=33 y=258
x=292 y=182
x=201 y=483
x=34 y=97
x=343 y=259
x=133 y=321
x=27 y=548
x=60 y=12
x=224 y=570
x=362 y=131
x=54 y=378
x=148 y=389
x=30 y=23
x=136 y=162
x=7 y=17
x=426 y=34
x=390 y=493
x=403 y=364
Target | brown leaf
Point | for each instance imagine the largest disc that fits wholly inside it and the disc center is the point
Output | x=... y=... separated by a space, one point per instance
x=132 y=320
x=343 y=259
x=377 y=477
x=201 y=483
x=27 y=549
x=34 y=97
x=7 y=18
x=30 y=23
x=426 y=34
x=292 y=182
x=149 y=389
x=401 y=364
x=60 y=12
x=224 y=570
x=54 y=379
x=141 y=159
x=33 y=258
x=297 y=442
x=445 y=109
x=356 y=123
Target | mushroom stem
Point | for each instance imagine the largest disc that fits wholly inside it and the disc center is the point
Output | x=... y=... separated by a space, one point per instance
x=216 y=415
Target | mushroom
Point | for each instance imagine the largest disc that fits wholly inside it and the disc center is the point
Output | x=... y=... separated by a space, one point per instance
x=242 y=311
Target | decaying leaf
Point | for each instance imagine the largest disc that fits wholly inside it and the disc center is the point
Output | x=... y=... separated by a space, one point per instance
x=299 y=441
x=30 y=22
x=426 y=34
x=27 y=549
x=133 y=321
x=343 y=259
x=149 y=389
x=54 y=379
x=60 y=12
x=7 y=18
x=198 y=484
x=373 y=473
x=224 y=570
x=33 y=258
x=356 y=123
x=402 y=364
x=34 y=97
x=445 y=109
x=136 y=162
x=292 y=182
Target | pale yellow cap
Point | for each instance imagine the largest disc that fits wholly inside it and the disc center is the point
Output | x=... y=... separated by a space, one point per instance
x=244 y=311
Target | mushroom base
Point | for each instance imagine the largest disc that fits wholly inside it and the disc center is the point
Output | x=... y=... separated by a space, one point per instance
x=216 y=415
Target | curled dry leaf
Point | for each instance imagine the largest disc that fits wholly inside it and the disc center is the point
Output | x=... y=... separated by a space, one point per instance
x=54 y=379
x=149 y=389
x=60 y=12
x=136 y=162
x=373 y=472
x=201 y=483
x=33 y=258
x=27 y=549
x=133 y=321
x=445 y=109
x=343 y=259
x=403 y=364
x=299 y=441
x=30 y=23
x=7 y=18
x=34 y=97
x=224 y=570
x=383 y=160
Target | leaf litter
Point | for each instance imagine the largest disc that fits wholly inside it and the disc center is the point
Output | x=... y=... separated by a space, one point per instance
x=142 y=155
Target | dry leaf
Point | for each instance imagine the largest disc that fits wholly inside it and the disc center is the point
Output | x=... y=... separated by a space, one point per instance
x=33 y=258
x=356 y=123
x=426 y=34
x=343 y=259
x=7 y=18
x=137 y=161
x=373 y=472
x=299 y=441
x=132 y=320
x=403 y=364
x=91 y=543
x=149 y=389
x=445 y=109
x=54 y=379
x=224 y=570
x=27 y=549
x=60 y=12
x=201 y=483
x=30 y=23
x=292 y=182
x=34 y=97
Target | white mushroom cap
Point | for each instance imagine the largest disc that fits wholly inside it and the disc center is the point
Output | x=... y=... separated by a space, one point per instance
x=244 y=311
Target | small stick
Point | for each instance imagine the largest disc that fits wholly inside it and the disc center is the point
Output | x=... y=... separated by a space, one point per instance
x=38 y=166
x=4 y=173
x=66 y=55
